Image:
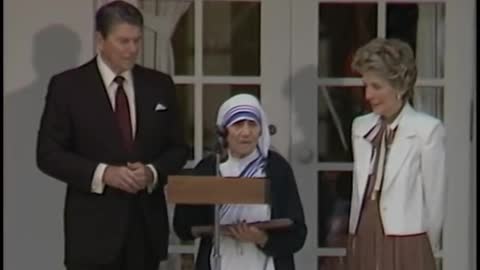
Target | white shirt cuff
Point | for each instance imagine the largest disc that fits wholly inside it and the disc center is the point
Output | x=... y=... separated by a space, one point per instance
x=97 y=182
x=155 y=178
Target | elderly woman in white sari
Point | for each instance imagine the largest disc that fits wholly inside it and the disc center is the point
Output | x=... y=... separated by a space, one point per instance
x=247 y=247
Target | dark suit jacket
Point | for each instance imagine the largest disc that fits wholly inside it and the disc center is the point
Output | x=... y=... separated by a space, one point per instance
x=285 y=203
x=78 y=131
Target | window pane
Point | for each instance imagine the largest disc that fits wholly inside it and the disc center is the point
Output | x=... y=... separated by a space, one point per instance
x=342 y=29
x=334 y=195
x=231 y=38
x=423 y=27
x=185 y=98
x=429 y=100
x=183 y=43
x=213 y=96
x=168 y=42
x=337 y=107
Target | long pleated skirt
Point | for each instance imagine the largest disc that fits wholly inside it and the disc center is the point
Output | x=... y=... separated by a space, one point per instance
x=371 y=249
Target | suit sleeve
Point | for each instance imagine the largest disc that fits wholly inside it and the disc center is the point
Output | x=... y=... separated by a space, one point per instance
x=286 y=242
x=54 y=142
x=434 y=181
x=174 y=157
x=186 y=216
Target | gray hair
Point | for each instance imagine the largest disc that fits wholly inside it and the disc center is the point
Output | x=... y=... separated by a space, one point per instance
x=392 y=60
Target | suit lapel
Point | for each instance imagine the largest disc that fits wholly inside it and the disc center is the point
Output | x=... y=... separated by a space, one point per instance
x=363 y=151
x=363 y=164
x=98 y=88
x=100 y=103
x=141 y=99
x=401 y=147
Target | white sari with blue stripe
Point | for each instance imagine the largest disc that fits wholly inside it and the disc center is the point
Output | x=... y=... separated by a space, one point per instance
x=236 y=255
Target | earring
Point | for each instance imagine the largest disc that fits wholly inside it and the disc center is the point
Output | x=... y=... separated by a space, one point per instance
x=399 y=96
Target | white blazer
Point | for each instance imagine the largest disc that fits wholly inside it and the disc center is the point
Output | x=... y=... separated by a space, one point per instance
x=412 y=198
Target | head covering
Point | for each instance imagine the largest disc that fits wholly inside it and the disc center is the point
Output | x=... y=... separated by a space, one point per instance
x=245 y=107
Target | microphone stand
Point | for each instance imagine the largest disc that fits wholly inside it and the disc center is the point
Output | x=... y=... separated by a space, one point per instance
x=219 y=153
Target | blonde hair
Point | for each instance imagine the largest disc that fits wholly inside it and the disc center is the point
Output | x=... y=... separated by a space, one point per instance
x=392 y=60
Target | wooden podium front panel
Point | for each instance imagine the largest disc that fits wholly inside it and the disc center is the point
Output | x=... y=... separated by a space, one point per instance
x=216 y=190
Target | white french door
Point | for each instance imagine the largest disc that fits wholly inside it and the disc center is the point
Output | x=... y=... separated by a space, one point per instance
x=326 y=96
x=215 y=49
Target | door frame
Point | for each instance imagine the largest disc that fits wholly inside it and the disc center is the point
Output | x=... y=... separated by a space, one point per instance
x=458 y=85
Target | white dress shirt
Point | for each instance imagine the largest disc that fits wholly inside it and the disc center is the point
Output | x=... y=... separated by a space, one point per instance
x=111 y=87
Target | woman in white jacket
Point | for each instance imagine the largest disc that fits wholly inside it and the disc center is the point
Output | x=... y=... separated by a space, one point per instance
x=399 y=183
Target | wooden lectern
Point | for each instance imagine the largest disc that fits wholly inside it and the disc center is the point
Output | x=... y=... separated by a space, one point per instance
x=216 y=190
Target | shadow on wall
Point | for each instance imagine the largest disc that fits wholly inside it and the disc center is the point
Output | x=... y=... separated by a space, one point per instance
x=299 y=123
x=33 y=210
x=302 y=140
x=301 y=152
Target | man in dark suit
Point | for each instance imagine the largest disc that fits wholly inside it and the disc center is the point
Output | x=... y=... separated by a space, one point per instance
x=110 y=131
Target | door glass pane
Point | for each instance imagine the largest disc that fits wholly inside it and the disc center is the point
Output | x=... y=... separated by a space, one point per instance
x=423 y=27
x=334 y=195
x=337 y=107
x=213 y=96
x=231 y=38
x=168 y=42
x=343 y=27
x=429 y=100
x=183 y=42
x=185 y=100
